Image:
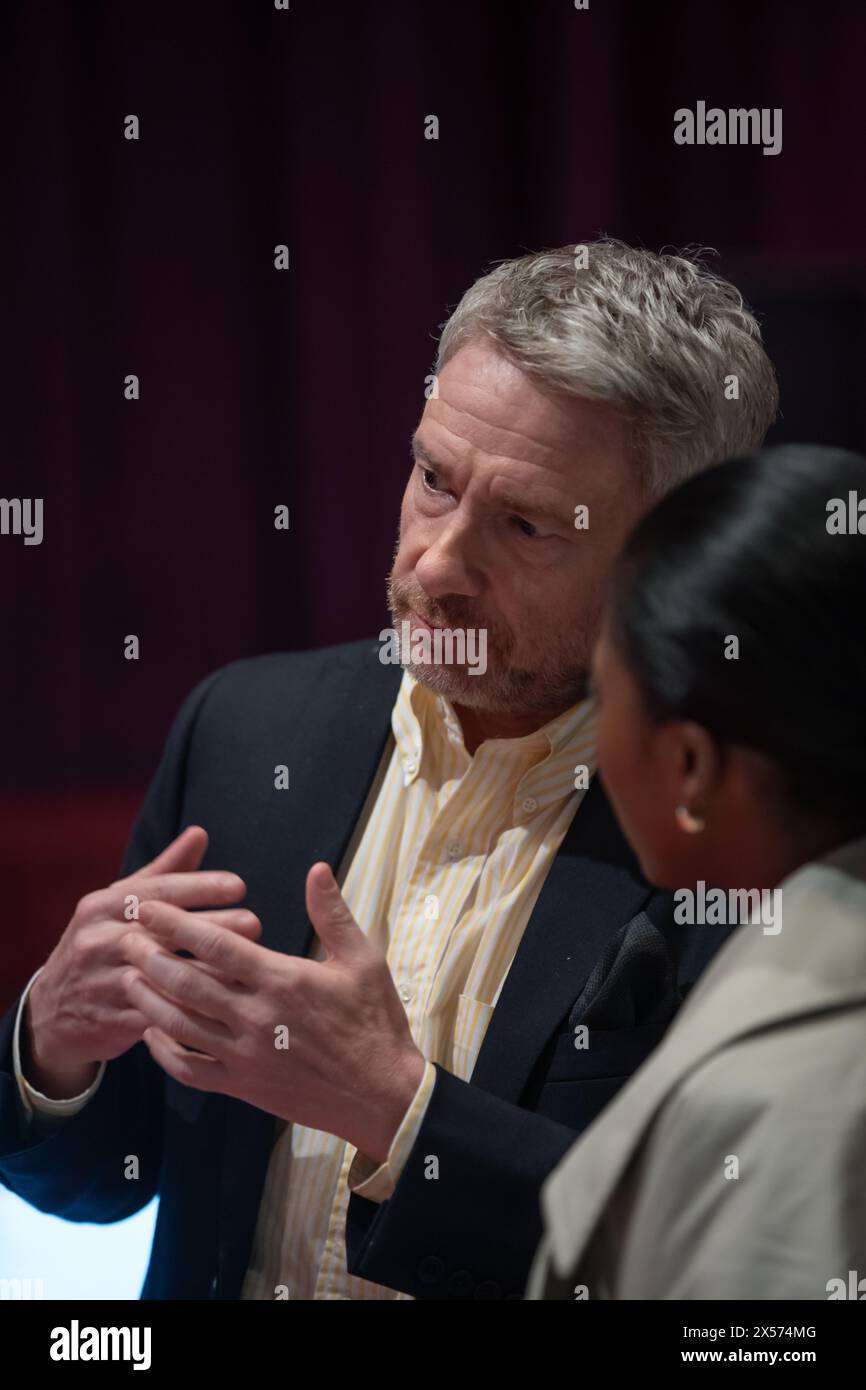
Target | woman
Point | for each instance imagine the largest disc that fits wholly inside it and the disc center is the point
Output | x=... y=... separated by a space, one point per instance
x=731 y=676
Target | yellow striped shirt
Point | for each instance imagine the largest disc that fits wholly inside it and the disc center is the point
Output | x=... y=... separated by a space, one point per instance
x=442 y=871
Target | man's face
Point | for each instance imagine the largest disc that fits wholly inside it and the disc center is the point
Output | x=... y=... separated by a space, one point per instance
x=488 y=538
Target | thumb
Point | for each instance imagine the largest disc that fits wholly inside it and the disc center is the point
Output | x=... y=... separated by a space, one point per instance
x=183 y=855
x=334 y=924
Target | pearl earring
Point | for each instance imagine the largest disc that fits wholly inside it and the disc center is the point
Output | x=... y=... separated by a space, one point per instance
x=686 y=821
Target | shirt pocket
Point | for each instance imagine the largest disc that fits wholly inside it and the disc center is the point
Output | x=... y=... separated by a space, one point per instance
x=469 y=1028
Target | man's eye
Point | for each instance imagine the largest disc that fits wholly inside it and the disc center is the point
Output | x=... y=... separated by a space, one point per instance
x=428 y=480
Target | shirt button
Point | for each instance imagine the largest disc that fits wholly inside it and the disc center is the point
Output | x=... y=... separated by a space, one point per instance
x=529 y=803
x=410 y=766
x=405 y=995
x=454 y=849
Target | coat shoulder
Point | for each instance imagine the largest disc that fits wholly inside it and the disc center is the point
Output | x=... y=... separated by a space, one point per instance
x=275 y=669
x=287 y=684
x=750 y=1182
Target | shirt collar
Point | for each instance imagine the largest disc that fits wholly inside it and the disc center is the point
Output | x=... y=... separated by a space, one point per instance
x=548 y=765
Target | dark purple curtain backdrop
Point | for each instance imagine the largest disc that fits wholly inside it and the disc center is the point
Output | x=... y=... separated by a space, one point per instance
x=261 y=387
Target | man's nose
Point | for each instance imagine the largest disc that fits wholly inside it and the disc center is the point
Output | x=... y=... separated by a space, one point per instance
x=451 y=563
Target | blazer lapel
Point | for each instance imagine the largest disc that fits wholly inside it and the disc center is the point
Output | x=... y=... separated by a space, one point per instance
x=330 y=782
x=593 y=888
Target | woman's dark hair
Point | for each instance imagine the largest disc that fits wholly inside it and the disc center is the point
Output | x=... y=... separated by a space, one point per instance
x=747 y=549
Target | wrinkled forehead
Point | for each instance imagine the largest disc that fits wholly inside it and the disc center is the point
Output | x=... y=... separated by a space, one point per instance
x=485 y=402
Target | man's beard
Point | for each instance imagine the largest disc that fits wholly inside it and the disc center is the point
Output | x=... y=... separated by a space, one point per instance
x=556 y=680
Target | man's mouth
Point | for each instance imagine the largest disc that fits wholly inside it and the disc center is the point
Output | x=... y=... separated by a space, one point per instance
x=423 y=622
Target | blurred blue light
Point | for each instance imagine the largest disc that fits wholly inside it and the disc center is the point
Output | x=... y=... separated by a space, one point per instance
x=71 y=1258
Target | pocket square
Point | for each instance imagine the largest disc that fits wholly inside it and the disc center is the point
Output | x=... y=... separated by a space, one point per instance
x=634 y=982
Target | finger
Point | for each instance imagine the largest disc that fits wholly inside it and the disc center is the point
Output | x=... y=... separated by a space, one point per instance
x=118 y=958
x=236 y=919
x=184 y=853
x=335 y=926
x=204 y=1073
x=217 y=974
x=131 y=1020
x=109 y=990
x=203 y=888
x=124 y=1018
x=114 y=934
x=184 y=1025
x=184 y=982
x=210 y=943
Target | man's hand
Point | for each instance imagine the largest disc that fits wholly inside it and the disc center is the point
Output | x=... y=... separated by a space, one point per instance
x=350 y=1067
x=77 y=1012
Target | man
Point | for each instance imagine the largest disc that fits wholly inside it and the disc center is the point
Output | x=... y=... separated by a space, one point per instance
x=369 y=1111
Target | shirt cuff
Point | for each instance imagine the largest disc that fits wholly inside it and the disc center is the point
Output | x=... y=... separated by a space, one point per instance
x=34 y=1101
x=377 y=1183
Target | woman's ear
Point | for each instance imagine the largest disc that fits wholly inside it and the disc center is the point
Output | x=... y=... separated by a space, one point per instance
x=699 y=763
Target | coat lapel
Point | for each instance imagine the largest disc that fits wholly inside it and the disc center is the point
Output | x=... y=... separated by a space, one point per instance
x=592 y=889
x=330 y=782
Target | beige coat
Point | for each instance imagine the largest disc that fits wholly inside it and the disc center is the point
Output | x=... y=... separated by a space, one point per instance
x=733 y=1163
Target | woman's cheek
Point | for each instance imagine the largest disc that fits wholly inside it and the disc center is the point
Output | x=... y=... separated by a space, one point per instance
x=628 y=780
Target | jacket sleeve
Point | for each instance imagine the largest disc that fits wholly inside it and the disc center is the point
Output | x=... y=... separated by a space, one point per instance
x=77 y=1169
x=464 y=1220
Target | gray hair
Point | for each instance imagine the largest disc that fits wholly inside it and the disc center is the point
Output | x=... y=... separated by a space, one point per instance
x=654 y=335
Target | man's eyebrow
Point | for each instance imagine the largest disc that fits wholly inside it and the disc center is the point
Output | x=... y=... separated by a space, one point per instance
x=420 y=451
x=531 y=509
x=506 y=500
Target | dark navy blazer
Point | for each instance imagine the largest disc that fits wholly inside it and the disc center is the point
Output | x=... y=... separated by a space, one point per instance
x=601 y=948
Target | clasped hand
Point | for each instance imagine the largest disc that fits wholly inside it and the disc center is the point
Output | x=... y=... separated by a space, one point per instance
x=324 y=1044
